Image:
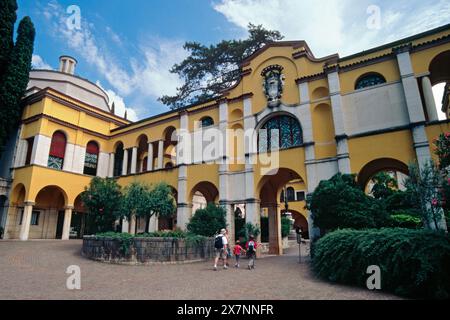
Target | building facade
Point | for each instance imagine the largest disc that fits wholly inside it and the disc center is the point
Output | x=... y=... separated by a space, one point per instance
x=291 y=121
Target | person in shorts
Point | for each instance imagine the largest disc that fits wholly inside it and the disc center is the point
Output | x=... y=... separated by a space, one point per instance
x=237 y=251
x=221 y=249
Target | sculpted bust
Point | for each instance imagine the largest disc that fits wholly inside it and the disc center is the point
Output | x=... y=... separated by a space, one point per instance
x=273 y=84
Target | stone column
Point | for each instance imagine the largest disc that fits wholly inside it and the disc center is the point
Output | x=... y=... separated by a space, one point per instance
x=253 y=213
x=125 y=225
x=429 y=99
x=414 y=104
x=125 y=162
x=132 y=227
x=275 y=240
x=160 y=154
x=133 y=160
x=111 y=165
x=26 y=221
x=67 y=220
x=153 y=225
x=230 y=223
x=338 y=120
x=150 y=157
x=184 y=208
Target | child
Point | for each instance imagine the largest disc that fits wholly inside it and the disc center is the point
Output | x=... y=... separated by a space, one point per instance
x=251 y=252
x=237 y=252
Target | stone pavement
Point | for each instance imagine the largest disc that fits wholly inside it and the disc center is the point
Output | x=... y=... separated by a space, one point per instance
x=36 y=270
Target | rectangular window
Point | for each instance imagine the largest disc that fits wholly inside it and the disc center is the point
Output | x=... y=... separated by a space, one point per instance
x=300 y=195
x=34 y=218
x=30 y=142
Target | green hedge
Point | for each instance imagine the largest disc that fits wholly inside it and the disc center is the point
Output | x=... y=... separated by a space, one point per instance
x=413 y=263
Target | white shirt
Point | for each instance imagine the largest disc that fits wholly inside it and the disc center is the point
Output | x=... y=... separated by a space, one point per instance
x=224 y=240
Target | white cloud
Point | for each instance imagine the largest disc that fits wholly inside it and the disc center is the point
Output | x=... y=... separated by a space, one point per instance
x=119 y=104
x=147 y=76
x=337 y=26
x=38 y=63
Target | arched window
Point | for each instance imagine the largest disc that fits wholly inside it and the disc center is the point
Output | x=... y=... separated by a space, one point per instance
x=118 y=160
x=369 y=80
x=280 y=132
x=290 y=194
x=169 y=165
x=57 y=151
x=91 y=159
x=206 y=122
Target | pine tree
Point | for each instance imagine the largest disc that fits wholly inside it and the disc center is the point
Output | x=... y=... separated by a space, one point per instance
x=15 y=79
x=7 y=19
x=208 y=71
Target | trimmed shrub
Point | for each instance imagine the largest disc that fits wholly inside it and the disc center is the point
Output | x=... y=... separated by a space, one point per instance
x=405 y=221
x=341 y=203
x=208 y=222
x=413 y=263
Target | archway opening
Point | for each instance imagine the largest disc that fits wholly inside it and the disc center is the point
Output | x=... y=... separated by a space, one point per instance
x=48 y=214
x=169 y=222
x=395 y=168
x=274 y=204
x=439 y=79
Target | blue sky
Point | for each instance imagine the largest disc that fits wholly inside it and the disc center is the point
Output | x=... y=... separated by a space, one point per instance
x=128 y=47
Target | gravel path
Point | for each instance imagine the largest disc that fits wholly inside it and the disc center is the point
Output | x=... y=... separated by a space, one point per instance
x=36 y=270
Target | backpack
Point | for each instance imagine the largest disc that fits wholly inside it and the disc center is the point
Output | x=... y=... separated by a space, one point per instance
x=218 y=242
x=251 y=247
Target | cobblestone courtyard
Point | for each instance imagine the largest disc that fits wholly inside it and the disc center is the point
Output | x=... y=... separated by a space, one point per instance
x=36 y=270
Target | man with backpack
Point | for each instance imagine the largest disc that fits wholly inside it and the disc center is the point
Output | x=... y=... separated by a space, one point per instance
x=220 y=245
x=251 y=252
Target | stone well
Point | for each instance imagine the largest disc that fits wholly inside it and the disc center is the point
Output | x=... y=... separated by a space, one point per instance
x=146 y=250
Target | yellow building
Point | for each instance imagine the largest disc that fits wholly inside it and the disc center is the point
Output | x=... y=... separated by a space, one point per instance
x=291 y=121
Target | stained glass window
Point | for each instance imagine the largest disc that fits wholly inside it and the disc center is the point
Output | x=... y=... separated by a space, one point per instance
x=369 y=80
x=281 y=132
x=91 y=159
x=207 y=122
x=57 y=151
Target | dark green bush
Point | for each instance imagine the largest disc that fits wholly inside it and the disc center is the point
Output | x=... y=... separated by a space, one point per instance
x=208 y=222
x=341 y=203
x=413 y=263
x=286 y=227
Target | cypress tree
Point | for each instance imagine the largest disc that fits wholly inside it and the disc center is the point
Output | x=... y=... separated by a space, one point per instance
x=15 y=79
x=8 y=18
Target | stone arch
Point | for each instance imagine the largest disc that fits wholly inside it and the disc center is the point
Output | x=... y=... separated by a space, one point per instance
x=319 y=93
x=50 y=204
x=142 y=151
x=300 y=221
x=379 y=165
x=51 y=195
x=440 y=68
x=18 y=194
x=208 y=190
x=269 y=188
